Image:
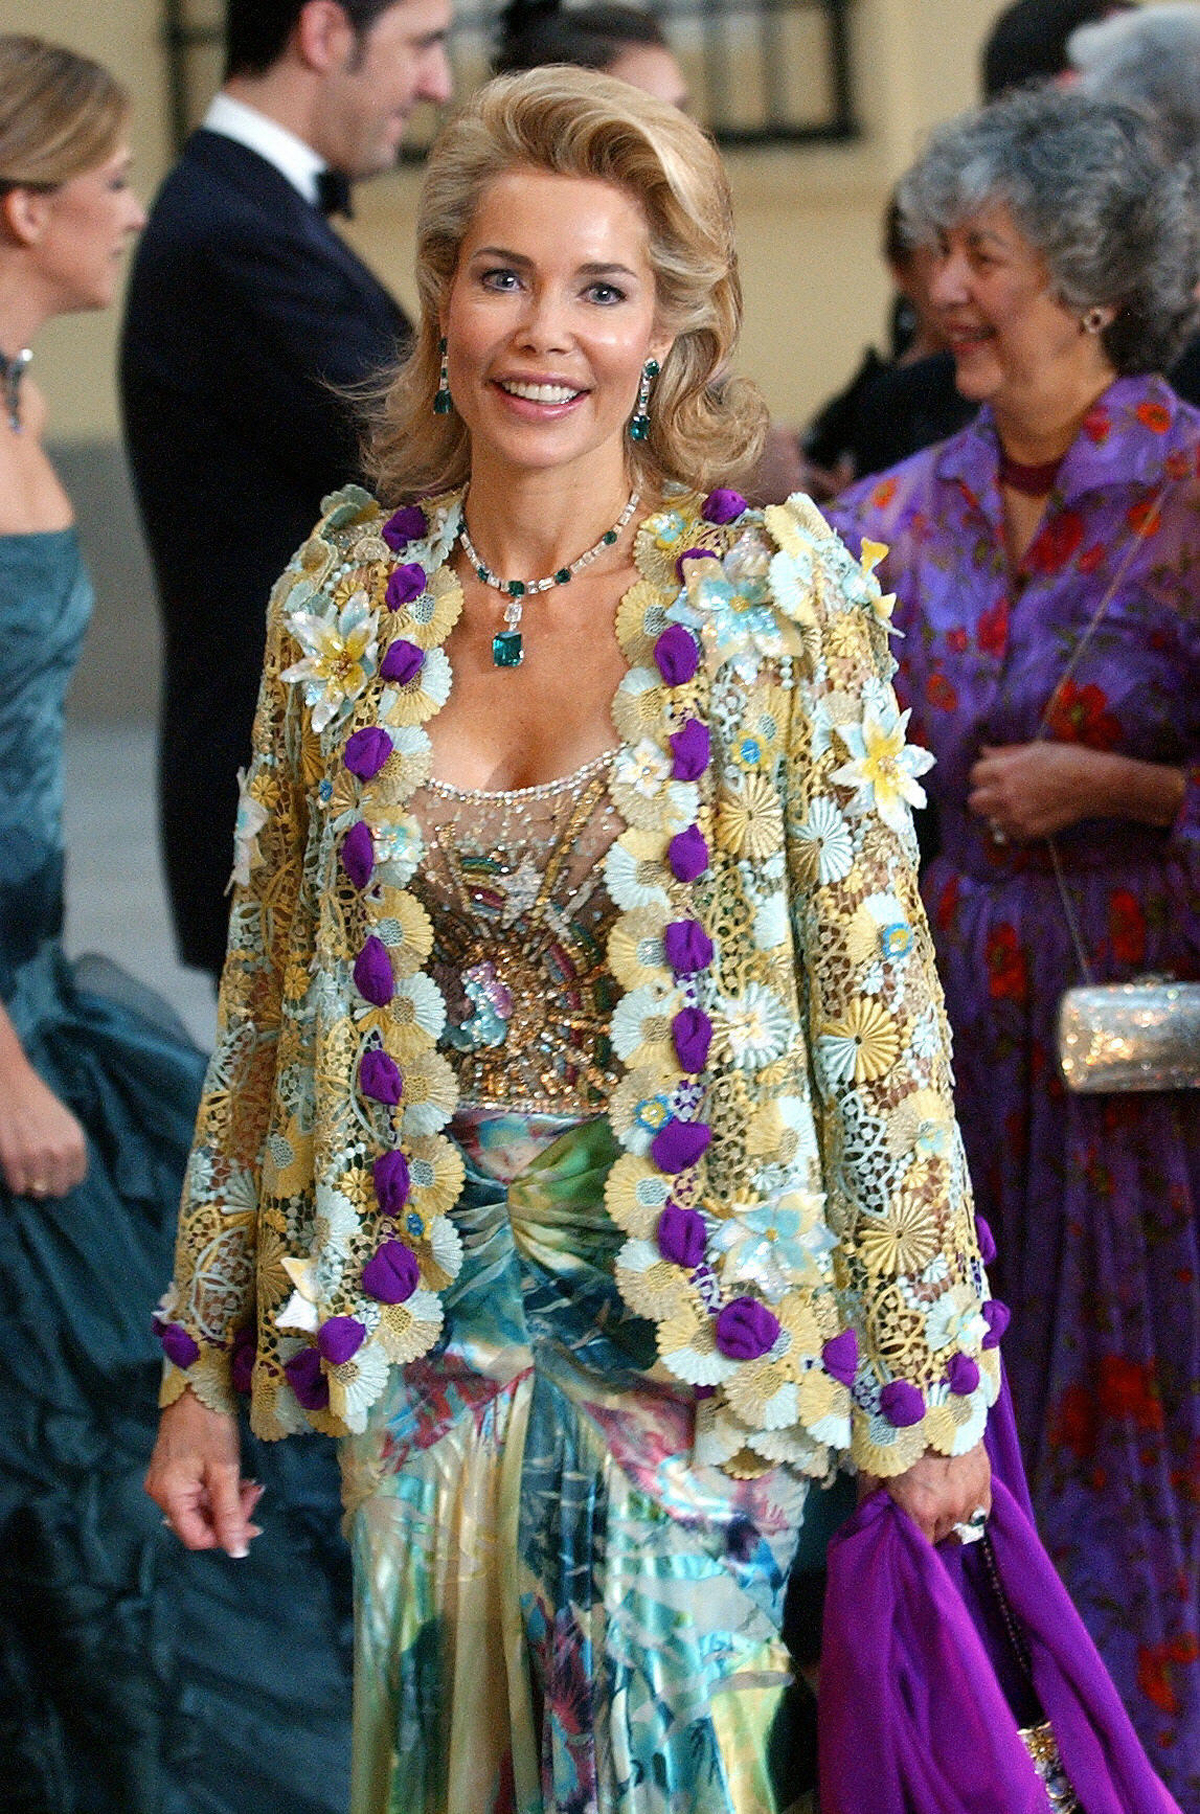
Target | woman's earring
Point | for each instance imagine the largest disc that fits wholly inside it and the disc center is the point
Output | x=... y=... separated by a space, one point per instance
x=1095 y=321
x=443 y=402
x=639 y=427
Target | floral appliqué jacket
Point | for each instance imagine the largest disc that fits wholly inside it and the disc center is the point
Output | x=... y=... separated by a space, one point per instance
x=792 y=1183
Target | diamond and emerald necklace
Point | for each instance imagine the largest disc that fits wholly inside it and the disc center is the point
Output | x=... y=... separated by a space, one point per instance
x=507 y=649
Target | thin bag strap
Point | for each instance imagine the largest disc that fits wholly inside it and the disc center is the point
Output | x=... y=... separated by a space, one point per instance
x=1043 y=729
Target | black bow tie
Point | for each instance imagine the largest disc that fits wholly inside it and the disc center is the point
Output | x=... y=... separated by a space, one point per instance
x=333 y=193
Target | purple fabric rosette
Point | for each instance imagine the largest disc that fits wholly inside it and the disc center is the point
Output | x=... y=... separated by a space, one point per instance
x=392 y=1273
x=408 y=524
x=181 y=1349
x=692 y=554
x=367 y=751
x=840 y=1357
x=379 y=1077
x=688 y=947
x=307 y=1380
x=722 y=505
x=746 y=1330
x=962 y=1375
x=676 y=655
x=373 y=976
x=404 y=584
x=340 y=1338
x=682 y=1236
x=692 y=1032
x=358 y=854
x=691 y=745
x=901 y=1404
x=986 y=1239
x=245 y=1348
x=687 y=853
x=680 y=1144
x=997 y=1316
x=392 y=1182
x=402 y=662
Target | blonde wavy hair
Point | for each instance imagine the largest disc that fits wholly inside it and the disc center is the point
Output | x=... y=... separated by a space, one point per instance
x=60 y=113
x=705 y=424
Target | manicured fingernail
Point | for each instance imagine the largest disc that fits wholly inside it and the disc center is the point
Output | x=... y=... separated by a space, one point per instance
x=240 y=1553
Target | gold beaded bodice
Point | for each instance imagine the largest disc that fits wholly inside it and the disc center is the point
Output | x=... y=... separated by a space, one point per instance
x=514 y=885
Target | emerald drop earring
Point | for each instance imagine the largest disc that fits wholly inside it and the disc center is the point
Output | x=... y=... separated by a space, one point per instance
x=443 y=402
x=639 y=426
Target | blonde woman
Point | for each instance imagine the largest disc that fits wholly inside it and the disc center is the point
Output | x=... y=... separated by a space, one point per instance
x=581 y=1112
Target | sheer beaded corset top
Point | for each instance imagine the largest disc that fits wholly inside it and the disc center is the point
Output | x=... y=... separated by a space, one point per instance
x=514 y=885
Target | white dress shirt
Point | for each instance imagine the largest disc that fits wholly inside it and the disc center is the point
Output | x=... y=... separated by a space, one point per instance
x=291 y=156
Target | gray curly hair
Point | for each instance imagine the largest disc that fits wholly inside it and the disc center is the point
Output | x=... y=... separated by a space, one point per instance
x=1088 y=188
x=1149 y=59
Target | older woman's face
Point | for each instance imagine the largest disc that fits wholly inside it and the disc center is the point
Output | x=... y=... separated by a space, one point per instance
x=84 y=227
x=1013 y=341
x=550 y=317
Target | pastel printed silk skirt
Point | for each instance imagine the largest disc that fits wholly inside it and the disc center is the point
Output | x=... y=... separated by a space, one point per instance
x=557 y=1612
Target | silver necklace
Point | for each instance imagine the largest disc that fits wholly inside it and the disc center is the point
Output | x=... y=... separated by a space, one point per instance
x=11 y=373
x=507 y=647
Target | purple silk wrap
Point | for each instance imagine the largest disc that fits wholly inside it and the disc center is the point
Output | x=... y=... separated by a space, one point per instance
x=913 y=1718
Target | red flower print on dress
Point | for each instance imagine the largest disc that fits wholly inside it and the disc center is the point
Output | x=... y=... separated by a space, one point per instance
x=1081 y=715
x=1073 y=1423
x=1145 y=517
x=1126 y=927
x=941 y=694
x=1091 y=558
x=1055 y=543
x=1129 y=1389
x=883 y=494
x=1154 y=416
x=1177 y=464
x=1154 y=1669
x=992 y=629
x=947 y=905
x=956 y=640
x=1097 y=425
x=1008 y=967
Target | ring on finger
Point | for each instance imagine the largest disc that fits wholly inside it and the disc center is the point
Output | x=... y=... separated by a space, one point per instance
x=37 y=1189
x=973 y=1528
x=999 y=835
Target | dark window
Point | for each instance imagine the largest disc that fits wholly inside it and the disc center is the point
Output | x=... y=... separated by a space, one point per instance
x=761 y=72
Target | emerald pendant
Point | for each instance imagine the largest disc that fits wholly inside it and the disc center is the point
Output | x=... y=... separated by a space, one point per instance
x=506 y=649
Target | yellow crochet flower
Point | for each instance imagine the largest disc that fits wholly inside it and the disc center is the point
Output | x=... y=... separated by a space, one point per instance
x=749 y=818
x=905 y=1239
x=862 y=1045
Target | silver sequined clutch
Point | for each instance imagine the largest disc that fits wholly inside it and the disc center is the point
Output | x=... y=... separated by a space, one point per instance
x=1143 y=1035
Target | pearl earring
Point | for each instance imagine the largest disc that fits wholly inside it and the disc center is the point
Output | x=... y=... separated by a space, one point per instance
x=1095 y=321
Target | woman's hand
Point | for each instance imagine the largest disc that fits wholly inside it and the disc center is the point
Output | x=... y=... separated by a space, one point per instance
x=939 y=1491
x=43 y=1152
x=1032 y=790
x=195 y=1477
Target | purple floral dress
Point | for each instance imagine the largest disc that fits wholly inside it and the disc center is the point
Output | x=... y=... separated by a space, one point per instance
x=1093 y=1200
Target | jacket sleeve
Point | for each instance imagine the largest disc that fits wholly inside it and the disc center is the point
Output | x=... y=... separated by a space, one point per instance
x=909 y=1273
x=208 y=1315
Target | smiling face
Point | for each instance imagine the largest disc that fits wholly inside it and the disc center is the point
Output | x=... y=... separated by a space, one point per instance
x=82 y=229
x=1013 y=340
x=367 y=99
x=549 y=319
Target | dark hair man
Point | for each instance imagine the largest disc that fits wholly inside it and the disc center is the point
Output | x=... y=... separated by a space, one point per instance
x=247 y=314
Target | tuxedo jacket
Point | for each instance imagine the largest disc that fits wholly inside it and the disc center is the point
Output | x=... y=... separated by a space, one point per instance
x=247 y=317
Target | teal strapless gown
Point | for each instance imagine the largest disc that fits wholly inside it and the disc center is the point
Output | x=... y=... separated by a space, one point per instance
x=134 y=1678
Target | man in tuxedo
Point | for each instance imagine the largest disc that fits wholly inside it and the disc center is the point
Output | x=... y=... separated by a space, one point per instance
x=246 y=316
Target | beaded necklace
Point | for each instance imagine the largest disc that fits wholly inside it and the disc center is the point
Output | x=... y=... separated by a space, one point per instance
x=507 y=646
